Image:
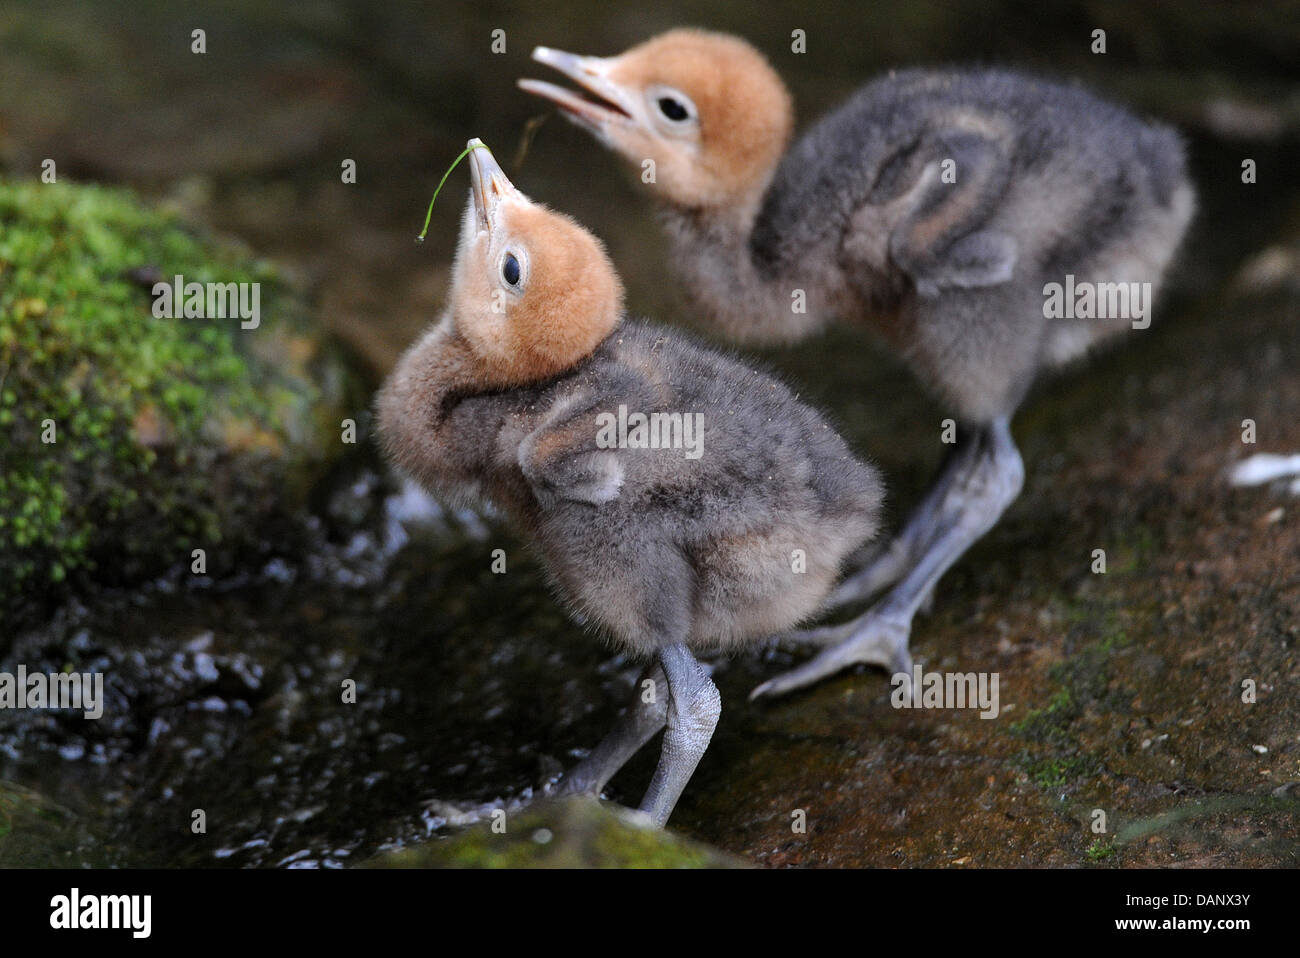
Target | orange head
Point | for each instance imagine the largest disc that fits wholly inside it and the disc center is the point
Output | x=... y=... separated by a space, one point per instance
x=705 y=107
x=532 y=292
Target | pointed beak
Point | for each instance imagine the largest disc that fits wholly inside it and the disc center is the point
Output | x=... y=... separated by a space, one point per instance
x=610 y=102
x=489 y=183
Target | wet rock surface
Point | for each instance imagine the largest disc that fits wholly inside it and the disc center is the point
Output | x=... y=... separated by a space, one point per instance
x=572 y=833
x=1120 y=692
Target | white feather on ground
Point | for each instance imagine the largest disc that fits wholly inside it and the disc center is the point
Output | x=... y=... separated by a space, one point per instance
x=1265 y=467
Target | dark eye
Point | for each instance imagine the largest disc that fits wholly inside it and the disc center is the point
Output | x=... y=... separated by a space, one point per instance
x=672 y=109
x=510 y=269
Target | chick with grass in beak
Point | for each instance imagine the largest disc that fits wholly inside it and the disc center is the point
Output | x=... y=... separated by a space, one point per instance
x=937 y=207
x=510 y=398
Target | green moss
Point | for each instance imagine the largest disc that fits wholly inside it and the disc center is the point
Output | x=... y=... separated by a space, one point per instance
x=568 y=833
x=1099 y=851
x=1048 y=724
x=1055 y=757
x=35 y=832
x=1055 y=771
x=149 y=416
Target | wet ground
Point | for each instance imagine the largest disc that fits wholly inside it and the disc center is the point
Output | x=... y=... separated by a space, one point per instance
x=1120 y=692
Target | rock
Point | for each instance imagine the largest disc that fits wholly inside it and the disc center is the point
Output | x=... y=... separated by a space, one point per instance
x=568 y=833
x=36 y=832
x=130 y=440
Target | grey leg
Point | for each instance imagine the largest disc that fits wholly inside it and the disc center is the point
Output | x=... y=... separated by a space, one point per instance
x=635 y=727
x=890 y=564
x=693 y=709
x=984 y=482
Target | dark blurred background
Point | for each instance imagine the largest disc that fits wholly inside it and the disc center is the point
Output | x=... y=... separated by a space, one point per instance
x=250 y=136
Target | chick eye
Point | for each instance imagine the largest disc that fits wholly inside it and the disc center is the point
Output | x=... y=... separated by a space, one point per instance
x=510 y=269
x=672 y=109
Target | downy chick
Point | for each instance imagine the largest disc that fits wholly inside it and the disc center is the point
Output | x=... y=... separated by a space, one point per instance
x=724 y=519
x=936 y=206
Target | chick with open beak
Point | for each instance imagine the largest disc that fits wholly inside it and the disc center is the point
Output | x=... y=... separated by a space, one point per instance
x=934 y=206
x=610 y=105
x=680 y=500
x=707 y=109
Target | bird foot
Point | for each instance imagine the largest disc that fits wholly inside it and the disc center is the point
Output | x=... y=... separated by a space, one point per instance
x=571 y=784
x=871 y=639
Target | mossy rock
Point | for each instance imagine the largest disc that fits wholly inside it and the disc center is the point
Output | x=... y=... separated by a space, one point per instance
x=36 y=832
x=567 y=833
x=169 y=434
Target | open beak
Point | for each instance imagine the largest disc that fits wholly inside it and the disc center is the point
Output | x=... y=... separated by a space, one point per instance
x=611 y=103
x=489 y=183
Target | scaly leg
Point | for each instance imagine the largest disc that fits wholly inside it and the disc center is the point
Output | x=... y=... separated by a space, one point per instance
x=693 y=709
x=890 y=564
x=977 y=488
x=635 y=727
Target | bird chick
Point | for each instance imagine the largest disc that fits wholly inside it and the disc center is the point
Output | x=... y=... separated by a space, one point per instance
x=937 y=207
x=534 y=393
